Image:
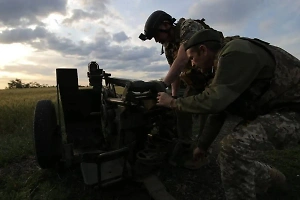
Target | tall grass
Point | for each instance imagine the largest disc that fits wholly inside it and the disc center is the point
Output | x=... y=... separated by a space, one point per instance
x=16 y=121
x=20 y=176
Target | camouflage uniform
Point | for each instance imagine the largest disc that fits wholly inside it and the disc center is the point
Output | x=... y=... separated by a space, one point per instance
x=260 y=83
x=184 y=29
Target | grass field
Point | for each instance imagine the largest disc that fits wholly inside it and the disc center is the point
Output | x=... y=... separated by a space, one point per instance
x=16 y=120
x=21 y=178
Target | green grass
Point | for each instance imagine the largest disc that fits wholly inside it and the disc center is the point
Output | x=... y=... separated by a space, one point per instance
x=20 y=176
x=16 y=121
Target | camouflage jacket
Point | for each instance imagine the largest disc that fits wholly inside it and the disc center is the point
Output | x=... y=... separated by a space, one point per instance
x=252 y=78
x=184 y=30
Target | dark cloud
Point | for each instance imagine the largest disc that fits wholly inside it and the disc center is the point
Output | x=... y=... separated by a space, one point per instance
x=21 y=12
x=96 y=5
x=120 y=37
x=22 y=35
x=230 y=12
x=113 y=56
x=128 y=68
x=36 y=69
x=92 y=9
x=110 y=57
x=65 y=46
x=136 y=53
x=79 y=15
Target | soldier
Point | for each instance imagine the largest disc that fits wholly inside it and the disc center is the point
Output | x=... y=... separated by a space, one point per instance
x=160 y=26
x=259 y=82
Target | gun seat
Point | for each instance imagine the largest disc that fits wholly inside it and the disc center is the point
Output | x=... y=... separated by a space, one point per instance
x=78 y=106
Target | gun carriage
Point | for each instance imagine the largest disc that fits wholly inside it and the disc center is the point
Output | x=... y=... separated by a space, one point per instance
x=108 y=134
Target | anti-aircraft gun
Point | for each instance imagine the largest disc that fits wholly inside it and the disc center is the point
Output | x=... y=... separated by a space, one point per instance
x=106 y=129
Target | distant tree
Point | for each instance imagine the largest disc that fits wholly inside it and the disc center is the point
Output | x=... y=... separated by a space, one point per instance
x=17 y=83
x=34 y=85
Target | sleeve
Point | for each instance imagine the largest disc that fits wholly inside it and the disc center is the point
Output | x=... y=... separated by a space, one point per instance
x=188 y=28
x=235 y=72
x=212 y=127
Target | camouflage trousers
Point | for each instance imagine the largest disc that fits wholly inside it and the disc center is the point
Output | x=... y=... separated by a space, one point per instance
x=241 y=172
x=189 y=126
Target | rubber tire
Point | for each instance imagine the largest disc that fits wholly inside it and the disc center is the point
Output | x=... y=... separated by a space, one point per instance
x=47 y=138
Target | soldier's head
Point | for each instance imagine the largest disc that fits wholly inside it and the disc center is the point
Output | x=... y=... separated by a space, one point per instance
x=158 y=26
x=202 y=48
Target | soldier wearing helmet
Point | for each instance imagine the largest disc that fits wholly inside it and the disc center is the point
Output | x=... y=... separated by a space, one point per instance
x=162 y=27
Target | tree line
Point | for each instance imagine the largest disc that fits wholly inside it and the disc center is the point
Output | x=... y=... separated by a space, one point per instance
x=17 y=83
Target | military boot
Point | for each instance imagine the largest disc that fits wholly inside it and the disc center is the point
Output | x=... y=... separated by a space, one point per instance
x=278 y=179
x=182 y=156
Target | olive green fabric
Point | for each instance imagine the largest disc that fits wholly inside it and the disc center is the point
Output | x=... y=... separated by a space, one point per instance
x=239 y=63
x=211 y=129
x=201 y=37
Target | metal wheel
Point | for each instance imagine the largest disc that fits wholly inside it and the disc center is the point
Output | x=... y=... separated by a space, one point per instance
x=46 y=133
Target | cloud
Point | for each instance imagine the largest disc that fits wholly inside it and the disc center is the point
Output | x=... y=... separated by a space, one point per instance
x=120 y=37
x=225 y=14
x=96 y=5
x=30 y=69
x=113 y=56
x=266 y=26
x=79 y=15
x=90 y=10
x=22 y=35
x=142 y=70
x=20 y=12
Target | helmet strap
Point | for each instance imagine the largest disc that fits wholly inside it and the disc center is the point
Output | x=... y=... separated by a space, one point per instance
x=164 y=31
x=162 y=50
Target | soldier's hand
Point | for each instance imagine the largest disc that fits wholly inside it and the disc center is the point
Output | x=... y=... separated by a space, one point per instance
x=198 y=154
x=163 y=99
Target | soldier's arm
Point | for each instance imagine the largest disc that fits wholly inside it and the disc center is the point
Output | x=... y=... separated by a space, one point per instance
x=212 y=127
x=175 y=87
x=177 y=66
x=188 y=28
x=236 y=71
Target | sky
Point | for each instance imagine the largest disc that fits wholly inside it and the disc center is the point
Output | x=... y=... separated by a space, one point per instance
x=38 y=36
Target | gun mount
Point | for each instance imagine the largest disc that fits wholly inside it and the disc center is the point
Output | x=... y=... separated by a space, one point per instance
x=110 y=127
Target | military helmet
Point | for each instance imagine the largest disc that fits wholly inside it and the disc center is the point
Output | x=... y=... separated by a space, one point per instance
x=153 y=22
